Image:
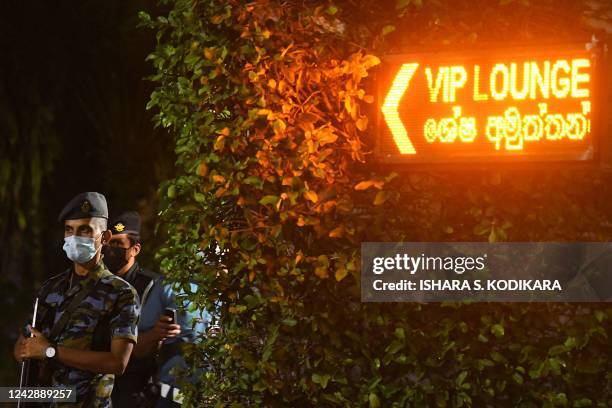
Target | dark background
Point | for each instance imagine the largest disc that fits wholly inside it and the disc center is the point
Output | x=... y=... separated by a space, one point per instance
x=72 y=119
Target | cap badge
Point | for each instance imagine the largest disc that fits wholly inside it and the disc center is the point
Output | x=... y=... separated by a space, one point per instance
x=119 y=227
x=86 y=206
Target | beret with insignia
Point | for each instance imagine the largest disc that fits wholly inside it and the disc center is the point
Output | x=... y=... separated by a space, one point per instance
x=126 y=223
x=85 y=205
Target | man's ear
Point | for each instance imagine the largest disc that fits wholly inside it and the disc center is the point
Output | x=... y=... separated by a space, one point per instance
x=106 y=236
x=136 y=249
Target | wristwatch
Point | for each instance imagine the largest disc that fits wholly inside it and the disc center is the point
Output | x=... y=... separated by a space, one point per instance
x=51 y=351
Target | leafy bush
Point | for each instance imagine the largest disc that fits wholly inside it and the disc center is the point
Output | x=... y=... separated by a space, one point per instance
x=269 y=103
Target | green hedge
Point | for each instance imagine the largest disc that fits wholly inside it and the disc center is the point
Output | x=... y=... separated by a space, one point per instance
x=268 y=103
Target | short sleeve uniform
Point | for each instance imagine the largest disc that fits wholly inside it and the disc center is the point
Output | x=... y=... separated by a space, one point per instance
x=193 y=324
x=110 y=299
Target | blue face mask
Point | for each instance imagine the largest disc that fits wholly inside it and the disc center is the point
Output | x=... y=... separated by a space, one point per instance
x=80 y=249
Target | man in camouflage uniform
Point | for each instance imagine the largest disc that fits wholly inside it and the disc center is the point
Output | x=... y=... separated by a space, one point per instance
x=87 y=317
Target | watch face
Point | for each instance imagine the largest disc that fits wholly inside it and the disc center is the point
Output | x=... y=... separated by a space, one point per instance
x=50 y=352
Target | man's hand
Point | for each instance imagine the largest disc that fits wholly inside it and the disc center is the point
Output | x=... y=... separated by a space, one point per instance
x=33 y=347
x=150 y=341
x=164 y=330
x=17 y=348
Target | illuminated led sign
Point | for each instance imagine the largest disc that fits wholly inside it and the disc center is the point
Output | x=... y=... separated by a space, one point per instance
x=509 y=105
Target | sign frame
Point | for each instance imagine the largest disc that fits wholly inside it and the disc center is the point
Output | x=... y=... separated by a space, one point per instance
x=599 y=123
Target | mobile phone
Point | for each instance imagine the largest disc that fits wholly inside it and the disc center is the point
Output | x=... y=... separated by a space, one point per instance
x=171 y=313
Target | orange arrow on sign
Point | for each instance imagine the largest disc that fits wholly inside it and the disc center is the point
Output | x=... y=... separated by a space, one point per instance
x=391 y=105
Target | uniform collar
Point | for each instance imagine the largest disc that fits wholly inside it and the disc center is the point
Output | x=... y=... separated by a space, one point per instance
x=93 y=275
x=130 y=275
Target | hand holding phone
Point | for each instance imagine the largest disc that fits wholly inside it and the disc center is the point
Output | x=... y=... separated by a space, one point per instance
x=171 y=313
x=164 y=329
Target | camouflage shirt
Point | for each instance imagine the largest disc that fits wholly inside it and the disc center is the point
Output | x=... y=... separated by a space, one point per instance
x=111 y=300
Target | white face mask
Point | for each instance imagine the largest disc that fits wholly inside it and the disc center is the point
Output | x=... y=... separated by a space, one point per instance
x=80 y=249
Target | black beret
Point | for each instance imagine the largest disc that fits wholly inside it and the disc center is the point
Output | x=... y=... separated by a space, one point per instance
x=126 y=223
x=85 y=205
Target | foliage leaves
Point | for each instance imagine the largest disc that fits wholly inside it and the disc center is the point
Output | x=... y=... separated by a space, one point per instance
x=268 y=103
